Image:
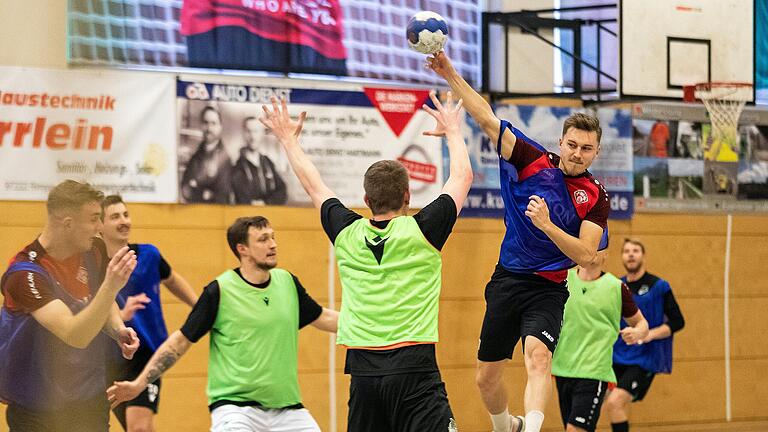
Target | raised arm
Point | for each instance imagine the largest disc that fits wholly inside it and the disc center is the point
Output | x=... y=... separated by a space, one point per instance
x=287 y=132
x=166 y=356
x=448 y=119
x=475 y=104
x=78 y=330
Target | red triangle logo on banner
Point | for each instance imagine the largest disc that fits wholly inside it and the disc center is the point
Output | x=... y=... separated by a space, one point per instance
x=396 y=106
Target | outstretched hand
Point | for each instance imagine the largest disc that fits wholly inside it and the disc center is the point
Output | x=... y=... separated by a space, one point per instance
x=280 y=122
x=441 y=64
x=448 y=116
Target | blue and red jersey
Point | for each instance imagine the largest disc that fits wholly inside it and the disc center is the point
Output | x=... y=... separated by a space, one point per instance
x=531 y=170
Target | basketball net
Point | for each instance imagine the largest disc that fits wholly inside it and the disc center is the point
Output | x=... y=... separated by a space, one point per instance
x=724 y=102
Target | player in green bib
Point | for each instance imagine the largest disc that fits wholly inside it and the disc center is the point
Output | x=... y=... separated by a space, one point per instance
x=390 y=270
x=583 y=361
x=254 y=313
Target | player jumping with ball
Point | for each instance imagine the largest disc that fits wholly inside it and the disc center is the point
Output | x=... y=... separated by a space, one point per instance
x=556 y=216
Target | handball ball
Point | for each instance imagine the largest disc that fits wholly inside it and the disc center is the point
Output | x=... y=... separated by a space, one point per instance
x=427 y=32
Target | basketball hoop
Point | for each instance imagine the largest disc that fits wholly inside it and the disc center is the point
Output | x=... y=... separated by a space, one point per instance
x=724 y=102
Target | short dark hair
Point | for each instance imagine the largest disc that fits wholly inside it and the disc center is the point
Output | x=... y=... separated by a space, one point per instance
x=583 y=122
x=385 y=184
x=635 y=242
x=237 y=233
x=70 y=195
x=108 y=201
x=209 y=108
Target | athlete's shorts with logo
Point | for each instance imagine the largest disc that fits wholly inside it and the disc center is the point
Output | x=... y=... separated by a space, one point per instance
x=580 y=401
x=634 y=379
x=520 y=305
x=127 y=370
x=407 y=402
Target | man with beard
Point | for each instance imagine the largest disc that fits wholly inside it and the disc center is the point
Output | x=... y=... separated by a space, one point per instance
x=556 y=216
x=207 y=177
x=254 y=313
x=139 y=303
x=254 y=177
x=636 y=365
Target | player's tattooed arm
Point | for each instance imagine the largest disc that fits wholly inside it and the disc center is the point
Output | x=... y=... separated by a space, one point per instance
x=165 y=357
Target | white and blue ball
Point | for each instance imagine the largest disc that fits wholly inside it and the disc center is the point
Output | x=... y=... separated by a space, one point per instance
x=427 y=32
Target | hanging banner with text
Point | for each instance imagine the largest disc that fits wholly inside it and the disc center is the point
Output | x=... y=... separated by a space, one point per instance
x=227 y=156
x=613 y=167
x=113 y=130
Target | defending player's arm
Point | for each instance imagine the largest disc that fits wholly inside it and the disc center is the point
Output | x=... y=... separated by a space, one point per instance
x=475 y=104
x=78 y=330
x=637 y=330
x=448 y=119
x=198 y=324
x=327 y=321
x=287 y=132
x=166 y=356
x=311 y=313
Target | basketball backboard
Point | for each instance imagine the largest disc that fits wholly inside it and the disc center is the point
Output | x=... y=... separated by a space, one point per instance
x=666 y=44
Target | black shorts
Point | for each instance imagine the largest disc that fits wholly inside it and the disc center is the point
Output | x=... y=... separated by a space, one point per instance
x=409 y=402
x=128 y=370
x=580 y=401
x=519 y=305
x=634 y=379
x=85 y=416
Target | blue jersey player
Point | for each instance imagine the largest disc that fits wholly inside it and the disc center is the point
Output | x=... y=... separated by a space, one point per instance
x=139 y=303
x=556 y=216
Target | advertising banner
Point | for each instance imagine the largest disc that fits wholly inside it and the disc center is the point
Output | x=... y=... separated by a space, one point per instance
x=227 y=156
x=113 y=130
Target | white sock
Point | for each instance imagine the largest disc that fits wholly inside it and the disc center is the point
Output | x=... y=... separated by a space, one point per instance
x=533 y=421
x=501 y=421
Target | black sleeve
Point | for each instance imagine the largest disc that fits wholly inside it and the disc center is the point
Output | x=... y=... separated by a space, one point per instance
x=309 y=310
x=200 y=320
x=675 y=319
x=334 y=217
x=436 y=220
x=164 y=268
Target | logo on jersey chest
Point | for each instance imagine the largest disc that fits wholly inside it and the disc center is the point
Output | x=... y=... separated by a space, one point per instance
x=580 y=196
x=82 y=275
x=643 y=290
